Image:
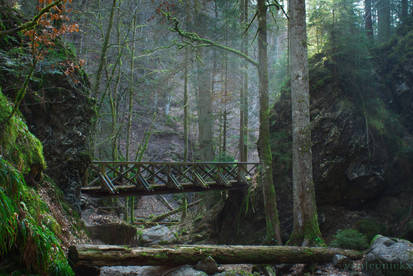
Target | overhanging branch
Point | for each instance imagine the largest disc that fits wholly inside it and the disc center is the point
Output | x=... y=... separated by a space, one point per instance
x=32 y=23
x=194 y=37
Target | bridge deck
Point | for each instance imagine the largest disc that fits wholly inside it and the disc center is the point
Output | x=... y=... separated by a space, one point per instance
x=107 y=178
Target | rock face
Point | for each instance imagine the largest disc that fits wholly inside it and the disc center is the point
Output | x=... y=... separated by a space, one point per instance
x=388 y=255
x=157 y=235
x=58 y=111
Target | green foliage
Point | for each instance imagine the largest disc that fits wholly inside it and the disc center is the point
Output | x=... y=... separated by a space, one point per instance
x=17 y=143
x=350 y=239
x=370 y=228
x=22 y=230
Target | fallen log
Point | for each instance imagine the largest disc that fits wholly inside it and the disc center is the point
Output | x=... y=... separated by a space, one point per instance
x=107 y=255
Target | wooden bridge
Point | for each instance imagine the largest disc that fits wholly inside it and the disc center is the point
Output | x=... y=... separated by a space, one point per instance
x=108 y=178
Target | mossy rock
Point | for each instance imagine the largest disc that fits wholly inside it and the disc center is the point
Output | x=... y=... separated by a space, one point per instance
x=17 y=144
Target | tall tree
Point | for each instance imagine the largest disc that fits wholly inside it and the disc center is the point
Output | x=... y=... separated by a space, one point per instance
x=243 y=143
x=263 y=144
x=368 y=23
x=305 y=226
x=383 y=14
x=404 y=10
x=205 y=115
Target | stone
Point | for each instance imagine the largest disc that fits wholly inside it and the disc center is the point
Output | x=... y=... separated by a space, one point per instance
x=390 y=255
x=342 y=262
x=133 y=270
x=159 y=234
x=186 y=270
x=113 y=233
x=208 y=265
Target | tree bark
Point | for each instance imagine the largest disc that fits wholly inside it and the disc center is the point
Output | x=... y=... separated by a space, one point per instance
x=105 y=47
x=404 y=10
x=107 y=255
x=264 y=149
x=243 y=144
x=368 y=24
x=383 y=13
x=305 y=225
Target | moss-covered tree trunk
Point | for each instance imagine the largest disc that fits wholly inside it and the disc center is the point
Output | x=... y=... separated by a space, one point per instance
x=305 y=226
x=107 y=255
x=243 y=143
x=264 y=149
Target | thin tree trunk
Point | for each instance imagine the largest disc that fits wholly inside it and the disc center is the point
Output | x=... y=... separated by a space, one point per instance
x=367 y=18
x=404 y=10
x=264 y=150
x=305 y=224
x=186 y=102
x=243 y=147
x=105 y=45
x=130 y=111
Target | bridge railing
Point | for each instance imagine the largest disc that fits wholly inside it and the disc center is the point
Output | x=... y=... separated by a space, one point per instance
x=152 y=177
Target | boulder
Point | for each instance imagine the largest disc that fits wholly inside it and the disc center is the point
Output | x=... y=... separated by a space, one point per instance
x=387 y=255
x=208 y=265
x=133 y=270
x=342 y=262
x=113 y=233
x=159 y=234
x=186 y=270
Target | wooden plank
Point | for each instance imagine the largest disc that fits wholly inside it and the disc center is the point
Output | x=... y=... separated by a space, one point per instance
x=131 y=190
x=108 y=183
x=221 y=179
x=142 y=181
x=199 y=181
x=175 y=182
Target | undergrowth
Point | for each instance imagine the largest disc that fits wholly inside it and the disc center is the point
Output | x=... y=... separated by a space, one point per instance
x=350 y=239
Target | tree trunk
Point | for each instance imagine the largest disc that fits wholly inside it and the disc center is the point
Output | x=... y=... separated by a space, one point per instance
x=383 y=13
x=305 y=226
x=105 y=47
x=243 y=144
x=367 y=19
x=264 y=150
x=404 y=10
x=205 y=116
x=108 y=255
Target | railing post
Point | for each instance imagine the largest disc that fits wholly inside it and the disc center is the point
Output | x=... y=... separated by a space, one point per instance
x=85 y=178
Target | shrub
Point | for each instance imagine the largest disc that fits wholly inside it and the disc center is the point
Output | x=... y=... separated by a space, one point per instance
x=370 y=228
x=350 y=239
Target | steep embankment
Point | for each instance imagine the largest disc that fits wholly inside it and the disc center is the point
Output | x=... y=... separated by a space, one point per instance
x=36 y=225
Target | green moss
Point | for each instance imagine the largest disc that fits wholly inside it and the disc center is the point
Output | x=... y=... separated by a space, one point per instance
x=350 y=239
x=27 y=231
x=17 y=144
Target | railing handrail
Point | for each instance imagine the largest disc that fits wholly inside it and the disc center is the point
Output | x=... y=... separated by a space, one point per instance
x=175 y=163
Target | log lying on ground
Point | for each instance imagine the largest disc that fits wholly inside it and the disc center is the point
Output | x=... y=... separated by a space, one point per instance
x=106 y=255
